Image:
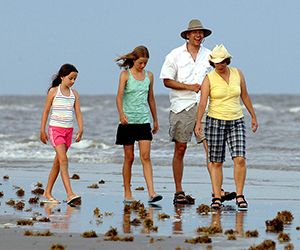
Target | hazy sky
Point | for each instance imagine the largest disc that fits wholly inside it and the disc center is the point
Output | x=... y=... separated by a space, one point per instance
x=38 y=36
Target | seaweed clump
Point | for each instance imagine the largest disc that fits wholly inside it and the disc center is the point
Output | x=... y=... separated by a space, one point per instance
x=101 y=182
x=75 y=177
x=113 y=236
x=58 y=246
x=289 y=247
x=267 y=244
x=203 y=209
x=33 y=200
x=30 y=233
x=20 y=205
x=140 y=188
x=5 y=177
x=89 y=234
x=231 y=237
x=275 y=225
x=199 y=239
x=251 y=233
x=230 y=232
x=285 y=216
x=24 y=223
x=210 y=230
x=20 y=192
x=94 y=186
x=11 y=202
x=1 y=194
x=163 y=216
x=283 y=237
x=38 y=191
x=148 y=223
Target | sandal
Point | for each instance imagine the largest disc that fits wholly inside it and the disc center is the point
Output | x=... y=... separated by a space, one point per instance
x=239 y=204
x=179 y=198
x=228 y=196
x=216 y=205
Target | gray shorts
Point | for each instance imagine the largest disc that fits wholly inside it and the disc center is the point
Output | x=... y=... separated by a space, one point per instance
x=182 y=125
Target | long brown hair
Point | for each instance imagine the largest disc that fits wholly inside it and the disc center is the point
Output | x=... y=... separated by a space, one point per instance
x=138 y=52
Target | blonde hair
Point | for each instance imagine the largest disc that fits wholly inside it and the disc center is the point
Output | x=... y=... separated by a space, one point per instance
x=138 y=52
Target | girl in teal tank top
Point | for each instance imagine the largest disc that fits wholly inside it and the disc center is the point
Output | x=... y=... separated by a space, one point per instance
x=135 y=94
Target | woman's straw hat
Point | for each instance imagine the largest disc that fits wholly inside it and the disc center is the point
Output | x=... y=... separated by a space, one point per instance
x=219 y=54
x=195 y=25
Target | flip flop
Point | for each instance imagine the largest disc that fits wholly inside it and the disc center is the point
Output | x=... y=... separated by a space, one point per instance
x=155 y=198
x=128 y=200
x=51 y=201
x=73 y=198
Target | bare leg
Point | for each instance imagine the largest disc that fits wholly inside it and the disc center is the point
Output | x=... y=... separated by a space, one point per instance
x=145 y=147
x=52 y=178
x=61 y=152
x=217 y=178
x=178 y=164
x=239 y=175
x=127 y=166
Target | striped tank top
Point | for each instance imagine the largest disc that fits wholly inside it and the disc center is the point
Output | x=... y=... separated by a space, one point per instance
x=62 y=110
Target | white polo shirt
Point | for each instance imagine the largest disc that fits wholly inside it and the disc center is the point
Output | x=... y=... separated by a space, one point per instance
x=180 y=66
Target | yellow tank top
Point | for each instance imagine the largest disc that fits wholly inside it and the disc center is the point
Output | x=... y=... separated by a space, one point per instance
x=224 y=103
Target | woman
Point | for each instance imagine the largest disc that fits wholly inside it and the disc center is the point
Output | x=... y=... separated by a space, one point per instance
x=225 y=122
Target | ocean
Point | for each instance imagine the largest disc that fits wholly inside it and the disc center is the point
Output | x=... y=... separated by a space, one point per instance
x=275 y=146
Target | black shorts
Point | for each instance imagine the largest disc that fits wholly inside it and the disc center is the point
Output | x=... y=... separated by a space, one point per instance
x=129 y=133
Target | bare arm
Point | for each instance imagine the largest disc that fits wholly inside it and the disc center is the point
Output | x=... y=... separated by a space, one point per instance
x=78 y=116
x=50 y=97
x=124 y=76
x=247 y=102
x=172 y=84
x=202 y=105
x=151 y=101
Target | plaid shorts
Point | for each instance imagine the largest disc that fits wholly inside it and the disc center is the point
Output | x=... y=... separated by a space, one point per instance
x=218 y=132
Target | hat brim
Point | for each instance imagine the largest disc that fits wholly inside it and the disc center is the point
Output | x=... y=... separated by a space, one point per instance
x=218 y=59
x=206 y=32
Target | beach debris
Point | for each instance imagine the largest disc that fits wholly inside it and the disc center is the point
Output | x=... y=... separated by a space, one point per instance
x=75 y=177
x=151 y=240
x=25 y=223
x=251 y=233
x=44 y=219
x=209 y=247
x=135 y=222
x=203 y=209
x=140 y=188
x=285 y=216
x=11 y=202
x=16 y=187
x=58 y=246
x=231 y=237
x=181 y=248
x=101 y=182
x=275 y=225
x=97 y=213
x=142 y=213
x=230 y=231
x=1 y=194
x=38 y=191
x=94 y=186
x=30 y=233
x=20 y=192
x=163 y=216
x=113 y=236
x=199 y=239
x=137 y=205
x=28 y=210
x=289 y=247
x=5 y=177
x=283 y=237
x=190 y=199
x=210 y=230
x=20 y=205
x=297 y=228
x=148 y=223
x=33 y=200
x=127 y=208
x=266 y=245
x=89 y=234
x=38 y=184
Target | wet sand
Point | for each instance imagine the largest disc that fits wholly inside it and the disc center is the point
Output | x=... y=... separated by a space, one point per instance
x=267 y=193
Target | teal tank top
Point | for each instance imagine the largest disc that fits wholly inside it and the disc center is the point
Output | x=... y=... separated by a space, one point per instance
x=135 y=100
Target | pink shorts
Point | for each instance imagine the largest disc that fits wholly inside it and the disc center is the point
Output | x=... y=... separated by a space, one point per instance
x=60 y=135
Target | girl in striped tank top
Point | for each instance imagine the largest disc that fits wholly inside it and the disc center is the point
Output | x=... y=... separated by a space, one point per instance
x=64 y=102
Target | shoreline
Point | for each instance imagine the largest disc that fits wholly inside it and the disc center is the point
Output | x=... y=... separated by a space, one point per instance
x=266 y=191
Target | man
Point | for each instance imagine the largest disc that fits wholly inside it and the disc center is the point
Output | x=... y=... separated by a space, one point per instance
x=183 y=72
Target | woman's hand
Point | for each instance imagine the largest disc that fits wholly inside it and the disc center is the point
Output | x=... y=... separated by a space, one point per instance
x=124 y=119
x=44 y=137
x=198 y=129
x=155 y=128
x=78 y=135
